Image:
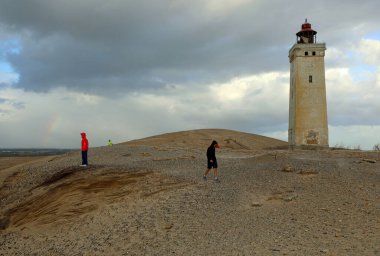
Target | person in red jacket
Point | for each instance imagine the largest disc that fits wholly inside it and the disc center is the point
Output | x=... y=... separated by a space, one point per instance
x=84 y=149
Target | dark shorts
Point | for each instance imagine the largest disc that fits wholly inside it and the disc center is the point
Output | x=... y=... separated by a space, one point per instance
x=213 y=164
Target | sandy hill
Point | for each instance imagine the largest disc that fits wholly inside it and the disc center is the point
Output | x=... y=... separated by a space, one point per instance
x=202 y=139
x=148 y=197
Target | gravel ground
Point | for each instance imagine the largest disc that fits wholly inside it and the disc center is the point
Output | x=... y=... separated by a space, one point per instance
x=151 y=200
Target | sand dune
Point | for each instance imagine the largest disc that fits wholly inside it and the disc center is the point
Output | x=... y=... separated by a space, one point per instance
x=147 y=197
x=202 y=139
x=71 y=192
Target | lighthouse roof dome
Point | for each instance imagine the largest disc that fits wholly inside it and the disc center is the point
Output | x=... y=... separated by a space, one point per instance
x=306 y=29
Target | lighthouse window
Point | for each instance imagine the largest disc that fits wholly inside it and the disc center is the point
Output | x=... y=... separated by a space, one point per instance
x=310 y=79
x=306 y=53
x=313 y=53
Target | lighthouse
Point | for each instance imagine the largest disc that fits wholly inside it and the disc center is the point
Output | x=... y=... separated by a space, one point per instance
x=308 y=127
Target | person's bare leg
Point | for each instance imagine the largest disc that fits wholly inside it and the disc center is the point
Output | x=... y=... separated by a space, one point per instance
x=206 y=172
x=216 y=173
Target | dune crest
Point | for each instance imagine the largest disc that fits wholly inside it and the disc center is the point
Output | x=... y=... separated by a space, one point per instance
x=202 y=138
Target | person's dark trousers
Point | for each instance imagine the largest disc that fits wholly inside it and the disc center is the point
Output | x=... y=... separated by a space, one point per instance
x=84 y=157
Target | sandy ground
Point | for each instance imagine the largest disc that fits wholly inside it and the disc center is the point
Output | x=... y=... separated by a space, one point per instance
x=147 y=197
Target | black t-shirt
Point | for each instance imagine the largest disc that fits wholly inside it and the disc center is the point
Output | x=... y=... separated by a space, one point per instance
x=211 y=153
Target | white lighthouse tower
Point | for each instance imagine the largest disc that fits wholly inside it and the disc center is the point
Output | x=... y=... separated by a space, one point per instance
x=308 y=125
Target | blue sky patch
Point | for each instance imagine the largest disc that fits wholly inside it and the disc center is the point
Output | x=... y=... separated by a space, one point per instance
x=362 y=72
x=374 y=36
x=5 y=67
x=9 y=46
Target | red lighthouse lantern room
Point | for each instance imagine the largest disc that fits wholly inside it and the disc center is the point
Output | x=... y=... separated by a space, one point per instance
x=306 y=35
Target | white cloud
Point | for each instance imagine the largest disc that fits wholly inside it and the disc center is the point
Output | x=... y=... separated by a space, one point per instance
x=257 y=103
x=56 y=118
x=370 y=51
x=252 y=91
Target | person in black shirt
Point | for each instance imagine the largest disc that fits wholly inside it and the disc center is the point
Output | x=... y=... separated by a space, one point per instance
x=211 y=161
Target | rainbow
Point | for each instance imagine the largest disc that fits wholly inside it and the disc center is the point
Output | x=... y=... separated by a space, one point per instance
x=51 y=126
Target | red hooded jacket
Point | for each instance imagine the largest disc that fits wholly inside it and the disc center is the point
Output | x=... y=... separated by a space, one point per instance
x=84 y=142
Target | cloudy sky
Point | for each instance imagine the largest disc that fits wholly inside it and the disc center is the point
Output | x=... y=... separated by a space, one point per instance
x=127 y=69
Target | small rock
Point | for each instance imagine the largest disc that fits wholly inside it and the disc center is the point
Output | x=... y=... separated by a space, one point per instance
x=308 y=172
x=290 y=198
x=369 y=160
x=256 y=204
x=4 y=223
x=169 y=226
x=287 y=168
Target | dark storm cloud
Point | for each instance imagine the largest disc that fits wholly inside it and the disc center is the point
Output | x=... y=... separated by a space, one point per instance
x=108 y=46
